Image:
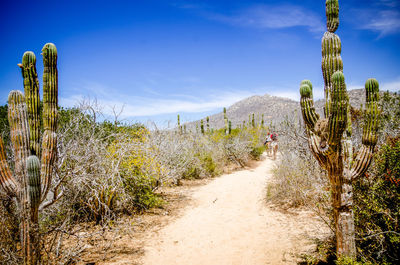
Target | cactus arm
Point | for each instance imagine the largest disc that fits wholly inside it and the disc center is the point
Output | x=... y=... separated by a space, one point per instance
x=307 y=105
x=50 y=87
x=34 y=189
x=311 y=117
x=370 y=130
x=314 y=143
x=32 y=98
x=337 y=121
x=50 y=104
x=7 y=181
x=19 y=130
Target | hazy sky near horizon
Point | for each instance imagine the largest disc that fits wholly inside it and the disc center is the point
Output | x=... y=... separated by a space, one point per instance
x=160 y=58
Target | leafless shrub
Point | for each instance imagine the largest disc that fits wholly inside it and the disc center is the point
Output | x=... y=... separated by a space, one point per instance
x=298 y=180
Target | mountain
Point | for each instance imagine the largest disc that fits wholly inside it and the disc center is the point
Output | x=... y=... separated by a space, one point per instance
x=275 y=109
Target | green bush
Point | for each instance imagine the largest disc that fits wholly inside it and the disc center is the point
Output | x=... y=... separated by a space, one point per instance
x=377 y=207
x=191 y=173
x=208 y=164
x=257 y=151
x=140 y=191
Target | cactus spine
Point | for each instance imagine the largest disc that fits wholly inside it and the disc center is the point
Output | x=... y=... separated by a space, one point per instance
x=31 y=179
x=329 y=137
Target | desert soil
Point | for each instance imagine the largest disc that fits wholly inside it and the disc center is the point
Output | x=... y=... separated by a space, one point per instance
x=225 y=221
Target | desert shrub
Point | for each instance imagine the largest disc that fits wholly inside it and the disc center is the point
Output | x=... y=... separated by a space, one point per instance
x=256 y=152
x=377 y=207
x=390 y=116
x=297 y=178
x=138 y=170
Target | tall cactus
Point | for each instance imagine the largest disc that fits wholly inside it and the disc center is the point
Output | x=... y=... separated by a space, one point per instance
x=179 y=124
x=202 y=126
x=330 y=137
x=31 y=179
x=226 y=122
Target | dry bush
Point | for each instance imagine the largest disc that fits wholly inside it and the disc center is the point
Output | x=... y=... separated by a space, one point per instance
x=298 y=180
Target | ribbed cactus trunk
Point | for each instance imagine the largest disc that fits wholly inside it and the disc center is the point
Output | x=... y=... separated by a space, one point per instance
x=330 y=137
x=31 y=179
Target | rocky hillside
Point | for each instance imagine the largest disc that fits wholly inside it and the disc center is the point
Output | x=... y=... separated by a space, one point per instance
x=275 y=109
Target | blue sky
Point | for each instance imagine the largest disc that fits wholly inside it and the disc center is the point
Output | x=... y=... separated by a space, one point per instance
x=160 y=58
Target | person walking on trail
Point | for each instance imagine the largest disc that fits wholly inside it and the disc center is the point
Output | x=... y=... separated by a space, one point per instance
x=267 y=143
x=272 y=144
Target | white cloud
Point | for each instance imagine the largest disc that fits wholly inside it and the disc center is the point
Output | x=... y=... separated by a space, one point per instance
x=273 y=17
x=385 y=22
x=138 y=106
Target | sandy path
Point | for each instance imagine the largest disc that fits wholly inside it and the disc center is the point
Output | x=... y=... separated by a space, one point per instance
x=229 y=223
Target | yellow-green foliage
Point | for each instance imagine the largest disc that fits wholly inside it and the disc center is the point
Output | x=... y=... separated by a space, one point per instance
x=139 y=169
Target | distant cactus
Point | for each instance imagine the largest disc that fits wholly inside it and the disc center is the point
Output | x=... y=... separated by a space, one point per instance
x=208 y=124
x=230 y=127
x=253 y=122
x=226 y=122
x=31 y=180
x=179 y=124
x=329 y=137
x=262 y=120
x=202 y=126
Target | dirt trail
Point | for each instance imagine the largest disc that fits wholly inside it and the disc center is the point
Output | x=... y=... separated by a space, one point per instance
x=229 y=223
